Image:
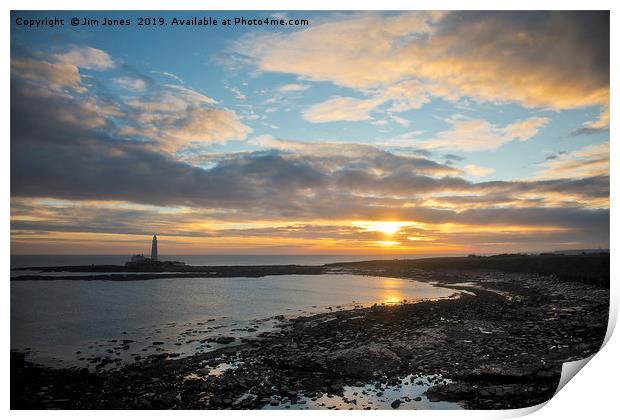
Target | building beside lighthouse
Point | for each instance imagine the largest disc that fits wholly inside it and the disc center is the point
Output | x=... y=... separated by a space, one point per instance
x=154 y=248
x=141 y=263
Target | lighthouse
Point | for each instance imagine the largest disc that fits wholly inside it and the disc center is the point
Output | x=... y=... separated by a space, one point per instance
x=154 y=249
x=138 y=262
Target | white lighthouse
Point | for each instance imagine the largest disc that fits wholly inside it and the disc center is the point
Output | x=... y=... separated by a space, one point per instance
x=154 y=248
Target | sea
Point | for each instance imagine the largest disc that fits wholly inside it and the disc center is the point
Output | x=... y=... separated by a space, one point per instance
x=77 y=323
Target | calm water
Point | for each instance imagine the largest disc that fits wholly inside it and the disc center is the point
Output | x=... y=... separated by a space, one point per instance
x=56 y=319
x=410 y=391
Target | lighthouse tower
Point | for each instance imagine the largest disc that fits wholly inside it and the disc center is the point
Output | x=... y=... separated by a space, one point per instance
x=154 y=248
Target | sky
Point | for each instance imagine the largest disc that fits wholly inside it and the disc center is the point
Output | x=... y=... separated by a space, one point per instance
x=358 y=133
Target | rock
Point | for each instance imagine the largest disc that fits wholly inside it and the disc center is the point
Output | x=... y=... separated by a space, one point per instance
x=224 y=340
x=364 y=360
x=168 y=398
x=433 y=398
x=336 y=388
x=451 y=392
x=395 y=404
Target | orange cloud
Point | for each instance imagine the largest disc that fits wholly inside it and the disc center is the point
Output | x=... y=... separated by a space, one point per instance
x=87 y=58
x=55 y=76
x=547 y=61
x=478 y=171
x=477 y=134
x=588 y=161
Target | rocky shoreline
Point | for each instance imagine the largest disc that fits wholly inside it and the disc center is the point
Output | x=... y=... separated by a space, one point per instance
x=592 y=268
x=121 y=273
x=499 y=345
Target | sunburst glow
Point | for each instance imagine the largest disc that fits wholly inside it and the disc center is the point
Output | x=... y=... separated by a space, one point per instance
x=389 y=228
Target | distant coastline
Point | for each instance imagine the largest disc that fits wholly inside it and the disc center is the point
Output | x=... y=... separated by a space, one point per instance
x=589 y=268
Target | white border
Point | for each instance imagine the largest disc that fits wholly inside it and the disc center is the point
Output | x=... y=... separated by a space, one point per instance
x=592 y=394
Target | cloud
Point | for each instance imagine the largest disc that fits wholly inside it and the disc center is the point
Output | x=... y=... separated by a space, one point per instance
x=175 y=116
x=476 y=134
x=556 y=60
x=238 y=94
x=340 y=108
x=204 y=125
x=452 y=157
x=402 y=97
x=478 y=171
x=588 y=130
x=169 y=98
x=331 y=156
x=65 y=222
x=60 y=157
x=401 y=121
x=171 y=75
x=602 y=121
x=351 y=52
x=61 y=71
x=293 y=87
x=405 y=96
x=601 y=125
x=134 y=84
x=87 y=58
x=55 y=76
x=166 y=116
x=73 y=148
x=526 y=129
x=585 y=162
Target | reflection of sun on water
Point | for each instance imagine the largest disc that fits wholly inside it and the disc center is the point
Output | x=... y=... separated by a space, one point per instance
x=391 y=292
x=392 y=297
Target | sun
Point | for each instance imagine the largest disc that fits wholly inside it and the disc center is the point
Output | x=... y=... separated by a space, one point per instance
x=388 y=228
